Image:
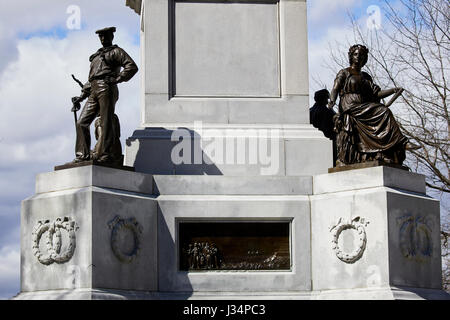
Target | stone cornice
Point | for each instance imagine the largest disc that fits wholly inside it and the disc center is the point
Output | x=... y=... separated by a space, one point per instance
x=135 y=5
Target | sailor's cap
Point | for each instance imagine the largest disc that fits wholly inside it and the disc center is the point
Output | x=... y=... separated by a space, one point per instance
x=106 y=30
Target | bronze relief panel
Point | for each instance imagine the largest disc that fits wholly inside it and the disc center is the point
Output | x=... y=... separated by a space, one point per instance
x=234 y=246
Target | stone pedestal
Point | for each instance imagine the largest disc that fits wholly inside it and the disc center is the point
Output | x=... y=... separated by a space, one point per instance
x=88 y=228
x=374 y=228
x=363 y=234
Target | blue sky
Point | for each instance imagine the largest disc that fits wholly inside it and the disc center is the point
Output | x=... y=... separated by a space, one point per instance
x=38 y=54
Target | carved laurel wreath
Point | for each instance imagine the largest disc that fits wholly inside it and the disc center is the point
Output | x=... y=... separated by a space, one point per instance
x=119 y=225
x=357 y=224
x=54 y=240
x=411 y=228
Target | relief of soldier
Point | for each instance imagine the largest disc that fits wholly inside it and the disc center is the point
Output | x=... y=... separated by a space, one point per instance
x=202 y=255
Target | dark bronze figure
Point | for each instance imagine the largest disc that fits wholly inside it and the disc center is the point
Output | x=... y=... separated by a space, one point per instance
x=202 y=256
x=321 y=117
x=366 y=129
x=110 y=65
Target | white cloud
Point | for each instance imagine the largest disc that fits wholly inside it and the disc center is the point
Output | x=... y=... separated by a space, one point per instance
x=327 y=12
x=337 y=37
x=329 y=25
x=45 y=14
x=9 y=271
x=26 y=17
x=5 y=210
x=320 y=57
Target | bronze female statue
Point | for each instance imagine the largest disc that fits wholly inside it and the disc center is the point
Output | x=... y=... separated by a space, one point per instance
x=366 y=129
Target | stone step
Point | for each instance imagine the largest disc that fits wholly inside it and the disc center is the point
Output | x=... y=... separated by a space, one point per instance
x=365 y=178
x=94 y=176
x=229 y=185
x=104 y=177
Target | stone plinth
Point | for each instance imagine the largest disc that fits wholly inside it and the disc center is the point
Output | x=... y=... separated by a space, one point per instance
x=372 y=228
x=88 y=228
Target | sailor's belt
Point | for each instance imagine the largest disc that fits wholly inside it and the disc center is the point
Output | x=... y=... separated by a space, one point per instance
x=106 y=78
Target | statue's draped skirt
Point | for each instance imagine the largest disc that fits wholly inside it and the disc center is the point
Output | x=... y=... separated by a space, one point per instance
x=368 y=131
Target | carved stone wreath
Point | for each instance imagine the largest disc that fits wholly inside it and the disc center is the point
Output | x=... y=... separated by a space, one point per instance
x=415 y=237
x=54 y=240
x=357 y=224
x=119 y=225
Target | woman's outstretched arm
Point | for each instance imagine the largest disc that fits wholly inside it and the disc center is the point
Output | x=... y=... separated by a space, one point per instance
x=386 y=93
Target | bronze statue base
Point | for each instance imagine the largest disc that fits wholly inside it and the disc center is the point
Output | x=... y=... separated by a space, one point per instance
x=93 y=163
x=369 y=164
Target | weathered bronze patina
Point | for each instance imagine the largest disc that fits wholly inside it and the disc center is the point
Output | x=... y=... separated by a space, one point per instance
x=234 y=246
x=110 y=65
x=366 y=129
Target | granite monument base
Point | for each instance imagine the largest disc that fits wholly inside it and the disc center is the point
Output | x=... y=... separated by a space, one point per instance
x=102 y=233
x=374 y=227
x=87 y=228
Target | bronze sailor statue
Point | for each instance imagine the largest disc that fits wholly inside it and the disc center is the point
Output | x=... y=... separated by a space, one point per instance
x=110 y=65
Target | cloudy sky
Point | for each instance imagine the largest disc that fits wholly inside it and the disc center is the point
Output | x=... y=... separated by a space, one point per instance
x=41 y=45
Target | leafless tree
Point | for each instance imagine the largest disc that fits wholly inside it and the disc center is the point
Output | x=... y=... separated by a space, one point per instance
x=412 y=50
